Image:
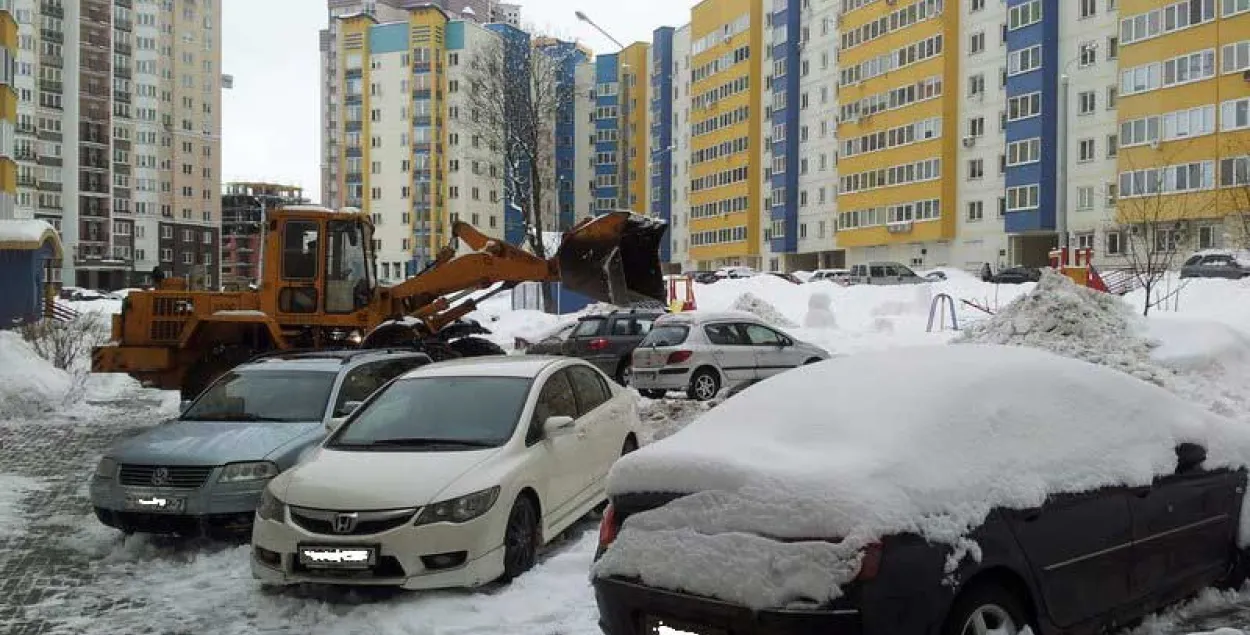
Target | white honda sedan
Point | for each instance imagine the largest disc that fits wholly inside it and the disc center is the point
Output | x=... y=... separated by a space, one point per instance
x=453 y=475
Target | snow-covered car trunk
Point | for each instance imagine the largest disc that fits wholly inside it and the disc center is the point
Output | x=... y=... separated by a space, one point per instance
x=998 y=458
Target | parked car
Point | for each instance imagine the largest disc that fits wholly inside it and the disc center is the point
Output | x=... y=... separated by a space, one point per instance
x=884 y=273
x=788 y=277
x=453 y=475
x=202 y=473
x=701 y=353
x=736 y=272
x=703 y=277
x=549 y=343
x=1017 y=275
x=935 y=276
x=839 y=276
x=954 y=510
x=607 y=340
x=1217 y=264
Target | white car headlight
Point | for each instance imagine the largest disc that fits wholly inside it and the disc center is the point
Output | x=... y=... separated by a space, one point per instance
x=270 y=507
x=106 y=469
x=249 y=471
x=459 y=510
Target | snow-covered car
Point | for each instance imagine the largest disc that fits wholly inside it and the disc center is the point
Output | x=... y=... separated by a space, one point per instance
x=549 y=342
x=454 y=475
x=840 y=276
x=203 y=472
x=1217 y=263
x=884 y=273
x=1007 y=488
x=736 y=272
x=702 y=352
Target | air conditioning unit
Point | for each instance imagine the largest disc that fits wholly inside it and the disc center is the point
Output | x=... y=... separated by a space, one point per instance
x=970 y=141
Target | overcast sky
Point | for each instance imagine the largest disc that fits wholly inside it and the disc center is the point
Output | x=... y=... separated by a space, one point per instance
x=271 y=120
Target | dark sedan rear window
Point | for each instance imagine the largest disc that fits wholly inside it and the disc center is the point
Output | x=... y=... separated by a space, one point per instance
x=587 y=328
x=666 y=335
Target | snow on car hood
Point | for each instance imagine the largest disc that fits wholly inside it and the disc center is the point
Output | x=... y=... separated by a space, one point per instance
x=335 y=479
x=980 y=427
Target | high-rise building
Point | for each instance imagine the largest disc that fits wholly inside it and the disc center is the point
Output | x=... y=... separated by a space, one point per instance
x=679 y=219
x=635 y=133
x=8 y=114
x=661 y=143
x=608 y=164
x=118 y=136
x=243 y=210
x=727 y=145
x=402 y=138
x=1184 y=115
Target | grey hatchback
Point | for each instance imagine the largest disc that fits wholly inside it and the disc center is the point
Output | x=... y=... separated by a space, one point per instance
x=203 y=472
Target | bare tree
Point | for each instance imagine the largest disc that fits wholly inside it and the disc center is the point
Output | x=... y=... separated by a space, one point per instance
x=519 y=89
x=1156 y=226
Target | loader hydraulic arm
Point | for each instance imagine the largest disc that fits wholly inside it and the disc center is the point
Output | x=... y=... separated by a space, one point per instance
x=613 y=258
x=490 y=262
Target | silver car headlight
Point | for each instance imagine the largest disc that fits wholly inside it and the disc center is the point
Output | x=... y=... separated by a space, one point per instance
x=249 y=471
x=459 y=510
x=270 y=507
x=107 y=468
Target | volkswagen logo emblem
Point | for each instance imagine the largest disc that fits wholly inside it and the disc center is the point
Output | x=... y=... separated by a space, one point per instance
x=344 y=523
x=160 y=476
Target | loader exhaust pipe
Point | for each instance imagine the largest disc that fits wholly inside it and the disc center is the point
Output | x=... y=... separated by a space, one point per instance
x=614 y=258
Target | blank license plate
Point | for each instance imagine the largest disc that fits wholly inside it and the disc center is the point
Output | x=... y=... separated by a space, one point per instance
x=156 y=503
x=339 y=557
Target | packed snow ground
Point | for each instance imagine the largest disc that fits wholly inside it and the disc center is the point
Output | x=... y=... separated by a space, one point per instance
x=151 y=585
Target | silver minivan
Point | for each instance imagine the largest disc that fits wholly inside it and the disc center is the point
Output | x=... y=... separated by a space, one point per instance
x=884 y=273
x=701 y=353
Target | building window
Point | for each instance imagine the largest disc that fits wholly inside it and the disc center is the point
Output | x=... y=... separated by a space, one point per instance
x=976 y=84
x=1113 y=47
x=1113 y=243
x=1088 y=8
x=1088 y=54
x=1087 y=101
x=1085 y=197
x=1207 y=237
x=1113 y=146
x=976 y=169
x=977 y=5
x=977 y=44
x=1113 y=93
x=976 y=127
x=976 y=211
x=1085 y=150
x=188 y=258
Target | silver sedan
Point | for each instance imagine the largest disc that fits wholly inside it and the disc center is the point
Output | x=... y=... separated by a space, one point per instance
x=702 y=353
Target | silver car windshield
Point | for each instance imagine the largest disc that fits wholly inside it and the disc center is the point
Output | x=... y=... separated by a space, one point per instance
x=265 y=395
x=437 y=413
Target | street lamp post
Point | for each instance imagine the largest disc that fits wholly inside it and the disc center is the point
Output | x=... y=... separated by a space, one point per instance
x=1061 y=208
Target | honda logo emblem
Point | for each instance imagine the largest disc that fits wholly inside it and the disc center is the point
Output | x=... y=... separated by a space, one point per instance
x=344 y=523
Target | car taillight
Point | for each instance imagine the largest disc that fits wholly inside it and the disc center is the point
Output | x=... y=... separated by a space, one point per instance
x=871 y=562
x=608 y=527
x=597 y=344
x=677 y=357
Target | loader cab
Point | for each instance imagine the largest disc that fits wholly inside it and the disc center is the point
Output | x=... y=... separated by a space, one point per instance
x=324 y=262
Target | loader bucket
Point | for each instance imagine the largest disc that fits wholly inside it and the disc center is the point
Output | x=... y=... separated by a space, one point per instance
x=614 y=258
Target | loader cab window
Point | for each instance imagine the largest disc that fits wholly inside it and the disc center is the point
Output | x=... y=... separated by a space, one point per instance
x=299 y=250
x=348 y=285
x=300 y=243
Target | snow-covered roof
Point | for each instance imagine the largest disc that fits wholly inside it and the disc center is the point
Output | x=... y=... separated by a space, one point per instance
x=27 y=235
x=924 y=440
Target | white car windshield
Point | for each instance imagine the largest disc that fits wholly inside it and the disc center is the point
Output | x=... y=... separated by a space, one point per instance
x=437 y=413
x=265 y=395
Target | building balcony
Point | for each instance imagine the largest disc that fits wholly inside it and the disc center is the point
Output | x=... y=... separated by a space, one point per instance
x=49 y=186
x=26 y=181
x=26 y=155
x=122 y=48
x=123 y=25
x=49 y=35
x=25 y=128
x=122 y=72
x=52 y=60
x=51 y=86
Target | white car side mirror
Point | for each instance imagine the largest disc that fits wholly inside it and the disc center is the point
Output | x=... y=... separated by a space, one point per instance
x=558 y=425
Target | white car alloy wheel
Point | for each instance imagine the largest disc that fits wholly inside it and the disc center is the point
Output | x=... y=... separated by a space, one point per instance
x=704 y=385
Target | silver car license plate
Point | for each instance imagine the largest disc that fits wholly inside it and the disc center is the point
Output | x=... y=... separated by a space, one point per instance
x=156 y=503
x=338 y=557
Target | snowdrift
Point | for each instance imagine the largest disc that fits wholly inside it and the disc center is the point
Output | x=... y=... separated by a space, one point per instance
x=29 y=384
x=871 y=457
x=1074 y=321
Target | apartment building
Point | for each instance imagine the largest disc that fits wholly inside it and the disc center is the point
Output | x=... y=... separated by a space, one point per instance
x=677 y=152
x=608 y=164
x=727 y=145
x=244 y=207
x=660 y=189
x=8 y=115
x=402 y=139
x=118 y=136
x=1184 y=116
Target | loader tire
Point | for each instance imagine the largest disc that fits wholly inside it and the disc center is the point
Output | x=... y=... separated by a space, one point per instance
x=476 y=347
x=211 y=366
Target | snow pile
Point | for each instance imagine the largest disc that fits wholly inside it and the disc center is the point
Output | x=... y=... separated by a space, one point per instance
x=25 y=231
x=820 y=312
x=866 y=460
x=759 y=307
x=1061 y=317
x=29 y=384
